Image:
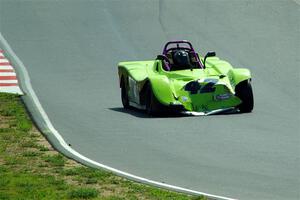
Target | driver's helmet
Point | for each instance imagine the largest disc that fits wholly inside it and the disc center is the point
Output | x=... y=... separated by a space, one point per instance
x=181 y=59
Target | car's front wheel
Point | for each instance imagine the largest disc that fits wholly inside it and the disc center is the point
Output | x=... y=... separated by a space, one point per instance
x=244 y=92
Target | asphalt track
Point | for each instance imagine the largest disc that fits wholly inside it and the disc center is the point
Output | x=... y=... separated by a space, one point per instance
x=71 y=49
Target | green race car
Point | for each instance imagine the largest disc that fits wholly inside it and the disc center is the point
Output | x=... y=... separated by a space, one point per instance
x=179 y=80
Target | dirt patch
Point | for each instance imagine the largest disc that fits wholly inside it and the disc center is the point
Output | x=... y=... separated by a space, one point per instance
x=5 y=121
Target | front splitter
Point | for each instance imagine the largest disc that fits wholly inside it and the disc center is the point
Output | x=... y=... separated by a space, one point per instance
x=218 y=111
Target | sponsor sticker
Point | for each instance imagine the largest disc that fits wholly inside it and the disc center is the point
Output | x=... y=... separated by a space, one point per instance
x=223 y=96
x=184 y=98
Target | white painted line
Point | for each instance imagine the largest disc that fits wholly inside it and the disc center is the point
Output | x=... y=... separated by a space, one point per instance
x=8 y=81
x=4 y=60
x=1 y=54
x=6 y=67
x=8 y=74
x=49 y=125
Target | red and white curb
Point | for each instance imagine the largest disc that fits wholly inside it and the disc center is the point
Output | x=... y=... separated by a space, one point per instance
x=8 y=78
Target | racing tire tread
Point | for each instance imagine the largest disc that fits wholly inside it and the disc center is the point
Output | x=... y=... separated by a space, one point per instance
x=245 y=93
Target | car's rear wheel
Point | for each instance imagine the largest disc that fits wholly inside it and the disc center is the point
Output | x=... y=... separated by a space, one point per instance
x=244 y=92
x=124 y=94
x=152 y=104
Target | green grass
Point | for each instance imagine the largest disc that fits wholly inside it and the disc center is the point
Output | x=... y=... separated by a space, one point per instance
x=83 y=193
x=55 y=160
x=31 y=169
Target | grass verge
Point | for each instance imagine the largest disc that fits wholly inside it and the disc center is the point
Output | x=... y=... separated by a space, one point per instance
x=31 y=169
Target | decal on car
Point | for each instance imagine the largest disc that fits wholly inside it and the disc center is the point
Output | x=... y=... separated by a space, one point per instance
x=206 y=86
x=223 y=96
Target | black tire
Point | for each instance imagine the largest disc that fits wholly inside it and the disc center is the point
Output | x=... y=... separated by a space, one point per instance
x=124 y=94
x=244 y=92
x=152 y=104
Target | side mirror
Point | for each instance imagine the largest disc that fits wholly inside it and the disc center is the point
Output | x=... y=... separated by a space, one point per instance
x=209 y=54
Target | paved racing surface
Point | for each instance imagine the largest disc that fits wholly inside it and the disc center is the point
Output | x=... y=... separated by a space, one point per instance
x=71 y=50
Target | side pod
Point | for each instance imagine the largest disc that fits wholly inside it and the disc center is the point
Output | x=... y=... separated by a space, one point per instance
x=162 y=89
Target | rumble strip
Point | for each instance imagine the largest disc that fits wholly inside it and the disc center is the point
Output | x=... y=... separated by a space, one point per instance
x=8 y=78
